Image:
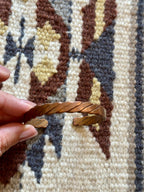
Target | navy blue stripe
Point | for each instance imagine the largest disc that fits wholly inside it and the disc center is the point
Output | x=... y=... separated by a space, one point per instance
x=139 y=100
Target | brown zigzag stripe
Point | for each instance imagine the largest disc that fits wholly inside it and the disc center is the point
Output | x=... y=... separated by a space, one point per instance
x=85 y=82
x=83 y=94
x=88 y=24
x=89 y=15
x=10 y=161
x=103 y=135
x=38 y=92
x=5 y=10
x=86 y=75
x=109 y=12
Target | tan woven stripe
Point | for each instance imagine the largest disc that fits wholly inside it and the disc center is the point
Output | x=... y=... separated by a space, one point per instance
x=122 y=164
x=99 y=20
x=3 y=27
x=95 y=96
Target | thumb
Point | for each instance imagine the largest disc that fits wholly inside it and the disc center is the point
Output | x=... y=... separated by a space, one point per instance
x=12 y=133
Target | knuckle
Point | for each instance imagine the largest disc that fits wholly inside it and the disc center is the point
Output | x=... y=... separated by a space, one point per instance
x=3 y=145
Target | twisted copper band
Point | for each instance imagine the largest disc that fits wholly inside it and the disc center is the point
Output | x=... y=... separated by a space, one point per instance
x=70 y=107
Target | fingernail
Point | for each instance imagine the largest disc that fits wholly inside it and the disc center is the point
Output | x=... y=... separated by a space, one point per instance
x=31 y=104
x=4 y=70
x=28 y=132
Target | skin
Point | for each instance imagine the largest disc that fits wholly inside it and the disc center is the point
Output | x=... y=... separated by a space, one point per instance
x=12 y=110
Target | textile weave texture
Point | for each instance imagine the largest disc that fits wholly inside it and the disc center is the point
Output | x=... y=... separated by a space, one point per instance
x=76 y=50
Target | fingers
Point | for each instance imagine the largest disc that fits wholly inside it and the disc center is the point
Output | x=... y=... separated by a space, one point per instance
x=13 y=133
x=5 y=119
x=4 y=73
x=11 y=109
x=11 y=106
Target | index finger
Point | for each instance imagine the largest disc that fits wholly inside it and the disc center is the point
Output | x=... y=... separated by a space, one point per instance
x=4 y=73
x=12 y=106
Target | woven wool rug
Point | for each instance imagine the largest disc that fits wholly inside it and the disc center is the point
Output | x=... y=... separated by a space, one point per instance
x=76 y=50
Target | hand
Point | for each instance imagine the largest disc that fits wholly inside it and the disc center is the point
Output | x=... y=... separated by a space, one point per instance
x=11 y=113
